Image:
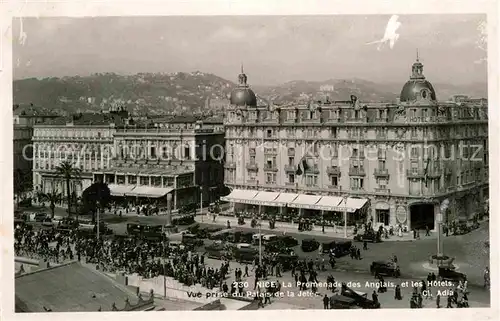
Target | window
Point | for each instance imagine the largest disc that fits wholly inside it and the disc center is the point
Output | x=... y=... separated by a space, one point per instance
x=413 y=132
x=356 y=114
x=291 y=161
x=334 y=181
x=414 y=152
x=381 y=164
x=132 y=180
x=144 y=180
x=311 y=180
x=425 y=112
x=381 y=152
x=413 y=113
x=291 y=178
x=333 y=132
x=269 y=133
x=382 y=183
x=414 y=167
x=187 y=152
x=252 y=159
x=355 y=152
x=291 y=114
x=425 y=132
x=252 y=151
x=271 y=178
x=381 y=113
x=356 y=183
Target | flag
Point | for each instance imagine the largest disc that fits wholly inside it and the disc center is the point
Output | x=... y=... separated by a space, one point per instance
x=302 y=166
x=426 y=171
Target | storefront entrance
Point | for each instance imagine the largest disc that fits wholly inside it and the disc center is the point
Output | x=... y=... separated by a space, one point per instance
x=383 y=216
x=422 y=216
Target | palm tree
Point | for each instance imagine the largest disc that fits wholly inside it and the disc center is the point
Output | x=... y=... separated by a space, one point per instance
x=52 y=198
x=96 y=197
x=68 y=172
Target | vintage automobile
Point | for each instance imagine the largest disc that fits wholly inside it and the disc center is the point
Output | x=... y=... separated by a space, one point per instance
x=217 y=251
x=360 y=299
x=183 y=220
x=242 y=237
x=309 y=245
x=288 y=241
x=191 y=240
x=339 y=248
x=269 y=238
x=388 y=268
x=287 y=261
x=68 y=223
x=449 y=274
x=369 y=236
x=277 y=247
x=342 y=302
x=245 y=254
x=153 y=232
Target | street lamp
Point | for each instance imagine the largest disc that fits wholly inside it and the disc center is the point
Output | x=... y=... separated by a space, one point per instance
x=201 y=203
x=442 y=209
x=260 y=237
x=345 y=215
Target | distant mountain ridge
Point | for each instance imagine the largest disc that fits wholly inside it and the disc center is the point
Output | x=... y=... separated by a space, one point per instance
x=196 y=92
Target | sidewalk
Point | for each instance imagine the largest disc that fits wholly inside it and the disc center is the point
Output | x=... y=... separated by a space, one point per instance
x=284 y=227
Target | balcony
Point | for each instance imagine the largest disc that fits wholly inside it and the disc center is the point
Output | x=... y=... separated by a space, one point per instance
x=290 y=168
x=382 y=190
x=270 y=168
x=333 y=170
x=357 y=171
x=381 y=172
x=312 y=170
x=415 y=173
x=252 y=167
x=230 y=165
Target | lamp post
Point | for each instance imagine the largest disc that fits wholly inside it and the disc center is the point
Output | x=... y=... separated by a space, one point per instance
x=442 y=209
x=201 y=203
x=260 y=237
x=345 y=215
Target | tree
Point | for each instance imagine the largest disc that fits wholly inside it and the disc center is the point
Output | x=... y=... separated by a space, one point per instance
x=22 y=184
x=52 y=198
x=68 y=173
x=96 y=197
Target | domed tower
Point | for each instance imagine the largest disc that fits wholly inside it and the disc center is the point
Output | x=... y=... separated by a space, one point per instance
x=243 y=95
x=417 y=87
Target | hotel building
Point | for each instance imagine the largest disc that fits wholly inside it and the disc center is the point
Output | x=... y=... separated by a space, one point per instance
x=393 y=163
x=86 y=140
x=180 y=156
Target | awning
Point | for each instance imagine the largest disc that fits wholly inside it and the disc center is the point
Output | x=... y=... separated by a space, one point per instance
x=285 y=198
x=149 y=191
x=329 y=203
x=265 y=198
x=382 y=206
x=119 y=190
x=240 y=196
x=352 y=204
x=305 y=201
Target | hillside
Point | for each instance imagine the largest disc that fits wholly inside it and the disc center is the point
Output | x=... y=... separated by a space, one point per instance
x=195 y=93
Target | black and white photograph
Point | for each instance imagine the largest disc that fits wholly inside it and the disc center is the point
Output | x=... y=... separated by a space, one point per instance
x=248 y=162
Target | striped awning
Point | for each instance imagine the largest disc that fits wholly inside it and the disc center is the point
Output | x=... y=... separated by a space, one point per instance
x=305 y=201
x=240 y=196
x=120 y=190
x=149 y=191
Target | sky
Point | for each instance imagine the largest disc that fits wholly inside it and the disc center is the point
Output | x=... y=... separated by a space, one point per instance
x=273 y=49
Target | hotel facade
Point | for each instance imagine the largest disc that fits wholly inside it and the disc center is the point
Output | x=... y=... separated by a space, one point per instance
x=390 y=163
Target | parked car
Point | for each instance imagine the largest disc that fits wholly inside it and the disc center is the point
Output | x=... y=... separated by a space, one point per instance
x=371 y=236
x=40 y=217
x=343 y=302
x=288 y=241
x=385 y=268
x=339 y=248
x=360 y=298
x=309 y=245
x=245 y=254
x=449 y=274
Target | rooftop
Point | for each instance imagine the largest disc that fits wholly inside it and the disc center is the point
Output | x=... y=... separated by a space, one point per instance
x=72 y=287
x=86 y=119
x=167 y=170
x=32 y=111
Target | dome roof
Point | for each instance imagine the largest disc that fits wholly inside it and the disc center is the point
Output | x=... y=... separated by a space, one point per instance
x=243 y=96
x=416 y=87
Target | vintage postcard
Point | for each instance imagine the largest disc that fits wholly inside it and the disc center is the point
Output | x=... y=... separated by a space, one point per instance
x=221 y=156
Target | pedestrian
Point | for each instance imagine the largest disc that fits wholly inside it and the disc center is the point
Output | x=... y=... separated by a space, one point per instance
x=246 y=271
x=397 y=293
x=438 y=301
x=358 y=254
x=427 y=231
x=365 y=245
x=375 y=297
x=326 y=300
x=449 y=299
